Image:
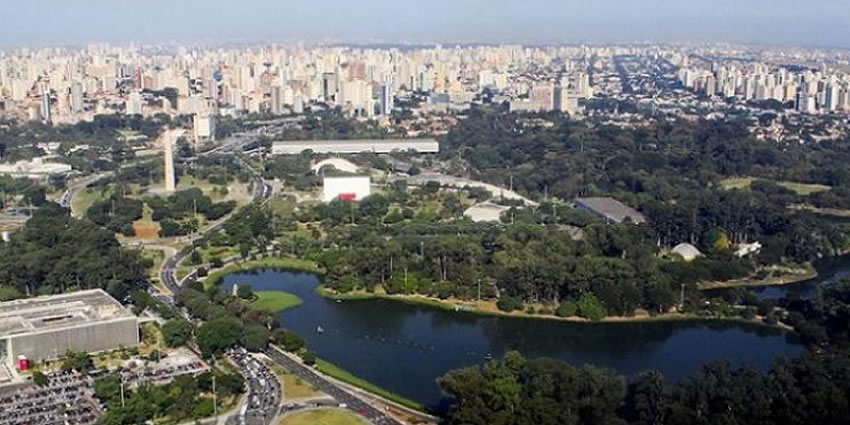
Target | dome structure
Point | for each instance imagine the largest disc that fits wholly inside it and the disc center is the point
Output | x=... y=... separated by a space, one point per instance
x=338 y=163
x=687 y=251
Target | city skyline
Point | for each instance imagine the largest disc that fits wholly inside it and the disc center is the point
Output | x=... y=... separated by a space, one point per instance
x=774 y=22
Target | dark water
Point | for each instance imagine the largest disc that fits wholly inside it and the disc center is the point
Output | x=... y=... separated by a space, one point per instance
x=830 y=270
x=404 y=348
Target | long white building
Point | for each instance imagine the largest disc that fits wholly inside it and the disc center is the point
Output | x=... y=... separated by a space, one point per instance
x=46 y=327
x=294 y=147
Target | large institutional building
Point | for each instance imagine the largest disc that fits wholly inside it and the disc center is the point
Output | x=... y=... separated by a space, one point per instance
x=46 y=327
x=353 y=188
x=295 y=147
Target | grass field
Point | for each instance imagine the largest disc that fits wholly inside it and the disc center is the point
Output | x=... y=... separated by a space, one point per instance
x=322 y=417
x=343 y=375
x=84 y=198
x=275 y=301
x=293 y=387
x=157 y=256
x=800 y=188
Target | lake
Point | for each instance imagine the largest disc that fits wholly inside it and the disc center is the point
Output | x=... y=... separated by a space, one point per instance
x=404 y=348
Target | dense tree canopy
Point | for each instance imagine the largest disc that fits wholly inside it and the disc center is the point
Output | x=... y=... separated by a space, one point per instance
x=814 y=388
x=54 y=253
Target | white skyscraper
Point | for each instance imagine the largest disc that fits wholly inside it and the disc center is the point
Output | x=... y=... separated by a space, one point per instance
x=45 y=104
x=76 y=97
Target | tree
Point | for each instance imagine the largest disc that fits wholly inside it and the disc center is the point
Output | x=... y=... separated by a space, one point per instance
x=309 y=358
x=509 y=304
x=40 y=379
x=177 y=332
x=196 y=258
x=374 y=207
x=288 y=340
x=80 y=362
x=245 y=292
x=589 y=307
x=255 y=337
x=215 y=336
x=566 y=309
x=108 y=388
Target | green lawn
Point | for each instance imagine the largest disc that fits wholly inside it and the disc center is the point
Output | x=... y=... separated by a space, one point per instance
x=322 y=417
x=85 y=198
x=157 y=256
x=343 y=375
x=275 y=301
x=293 y=386
x=800 y=188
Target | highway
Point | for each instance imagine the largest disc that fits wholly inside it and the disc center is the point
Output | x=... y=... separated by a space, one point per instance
x=65 y=201
x=263 y=401
x=342 y=396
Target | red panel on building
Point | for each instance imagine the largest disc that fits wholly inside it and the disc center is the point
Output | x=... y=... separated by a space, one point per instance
x=23 y=364
x=348 y=196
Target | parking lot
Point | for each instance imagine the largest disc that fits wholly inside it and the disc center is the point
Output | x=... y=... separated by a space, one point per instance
x=67 y=399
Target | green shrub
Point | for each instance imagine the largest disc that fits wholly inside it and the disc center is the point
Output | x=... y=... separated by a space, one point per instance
x=567 y=309
x=509 y=304
x=589 y=307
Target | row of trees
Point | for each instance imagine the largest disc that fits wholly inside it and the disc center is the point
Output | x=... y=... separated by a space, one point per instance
x=186 y=398
x=615 y=264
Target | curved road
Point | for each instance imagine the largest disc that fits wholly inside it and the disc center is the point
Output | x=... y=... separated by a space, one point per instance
x=265 y=403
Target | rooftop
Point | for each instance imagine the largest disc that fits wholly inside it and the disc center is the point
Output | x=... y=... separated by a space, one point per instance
x=58 y=311
x=611 y=209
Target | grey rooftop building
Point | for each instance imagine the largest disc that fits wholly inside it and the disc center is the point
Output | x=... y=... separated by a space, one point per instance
x=294 y=147
x=46 y=327
x=610 y=209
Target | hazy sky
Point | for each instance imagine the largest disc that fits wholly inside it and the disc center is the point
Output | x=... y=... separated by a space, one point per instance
x=797 y=22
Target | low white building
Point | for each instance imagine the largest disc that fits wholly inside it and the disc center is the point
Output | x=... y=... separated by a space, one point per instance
x=353 y=188
x=36 y=169
x=294 y=147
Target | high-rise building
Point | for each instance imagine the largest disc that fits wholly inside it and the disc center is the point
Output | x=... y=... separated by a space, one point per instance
x=830 y=97
x=204 y=127
x=76 y=97
x=276 y=100
x=134 y=104
x=385 y=98
x=329 y=86
x=45 y=104
x=542 y=97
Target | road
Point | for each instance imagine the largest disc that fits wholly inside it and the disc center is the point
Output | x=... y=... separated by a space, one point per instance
x=264 y=393
x=343 y=397
x=263 y=400
x=65 y=201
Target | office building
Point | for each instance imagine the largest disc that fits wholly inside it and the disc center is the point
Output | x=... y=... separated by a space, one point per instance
x=353 y=188
x=204 y=127
x=47 y=327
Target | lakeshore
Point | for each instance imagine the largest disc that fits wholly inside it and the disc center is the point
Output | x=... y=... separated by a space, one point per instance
x=489 y=308
x=786 y=276
x=393 y=334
